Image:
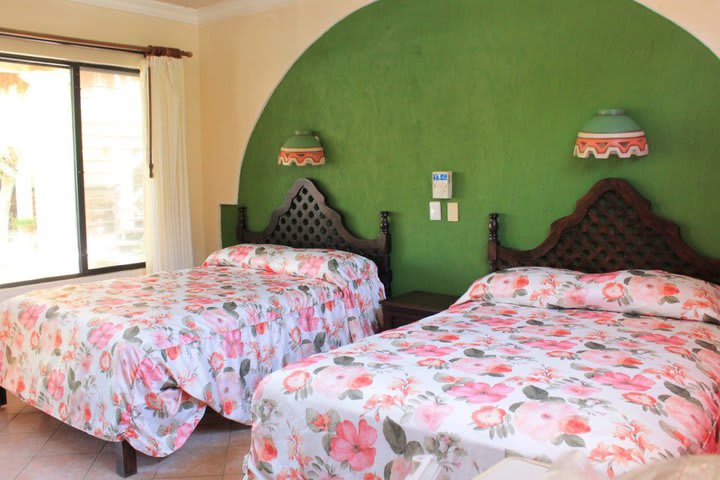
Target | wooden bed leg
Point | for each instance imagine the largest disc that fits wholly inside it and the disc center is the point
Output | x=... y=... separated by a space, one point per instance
x=3 y=397
x=125 y=459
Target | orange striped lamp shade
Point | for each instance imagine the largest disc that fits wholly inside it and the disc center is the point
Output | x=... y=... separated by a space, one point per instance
x=611 y=132
x=302 y=149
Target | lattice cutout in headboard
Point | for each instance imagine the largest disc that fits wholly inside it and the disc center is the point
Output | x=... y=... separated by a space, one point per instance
x=305 y=220
x=613 y=228
x=304 y=225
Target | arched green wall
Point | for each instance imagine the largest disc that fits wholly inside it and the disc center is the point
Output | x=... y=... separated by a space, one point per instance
x=494 y=91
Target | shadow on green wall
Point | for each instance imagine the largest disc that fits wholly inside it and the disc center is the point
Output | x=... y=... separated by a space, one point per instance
x=494 y=91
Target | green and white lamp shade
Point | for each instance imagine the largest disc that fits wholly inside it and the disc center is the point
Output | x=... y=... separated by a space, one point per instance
x=302 y=149
x=611 y=132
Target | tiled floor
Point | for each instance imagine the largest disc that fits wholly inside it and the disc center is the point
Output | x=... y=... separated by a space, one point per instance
x=35 y=446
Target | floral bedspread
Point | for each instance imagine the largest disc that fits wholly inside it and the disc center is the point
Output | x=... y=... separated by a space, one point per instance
x=479 y=382
x=141 y=358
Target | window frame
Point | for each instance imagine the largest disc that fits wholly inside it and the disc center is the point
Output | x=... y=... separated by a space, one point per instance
x=74 y=68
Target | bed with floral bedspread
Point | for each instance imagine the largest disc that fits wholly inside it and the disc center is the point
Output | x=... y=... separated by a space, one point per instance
x=140 y=359
x=623 y=367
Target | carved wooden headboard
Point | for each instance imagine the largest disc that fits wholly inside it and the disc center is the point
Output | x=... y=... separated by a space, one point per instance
x=612 y=228
x=305 y=220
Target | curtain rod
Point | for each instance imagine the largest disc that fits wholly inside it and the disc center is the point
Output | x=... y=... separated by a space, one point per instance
x=80 y=42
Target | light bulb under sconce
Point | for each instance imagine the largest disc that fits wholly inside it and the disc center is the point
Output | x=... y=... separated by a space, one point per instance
x=611 y=132
x=302 y=149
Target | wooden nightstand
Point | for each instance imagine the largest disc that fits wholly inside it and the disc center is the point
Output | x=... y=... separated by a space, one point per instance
x=412 y=306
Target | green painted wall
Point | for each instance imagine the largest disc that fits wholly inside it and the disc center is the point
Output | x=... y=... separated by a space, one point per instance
x=494 y=91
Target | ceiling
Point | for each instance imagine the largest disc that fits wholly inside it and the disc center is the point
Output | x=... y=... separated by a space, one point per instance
x=187 y=11
x=193 y=3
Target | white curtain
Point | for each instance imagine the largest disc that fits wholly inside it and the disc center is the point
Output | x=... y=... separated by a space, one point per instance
x=168 y=241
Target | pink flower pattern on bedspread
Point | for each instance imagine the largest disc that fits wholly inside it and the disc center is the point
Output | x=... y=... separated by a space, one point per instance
x=141 y=358
x=480 y=381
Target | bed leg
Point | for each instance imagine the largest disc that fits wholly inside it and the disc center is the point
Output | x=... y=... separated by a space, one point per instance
x=125 y=459
x=3 y=397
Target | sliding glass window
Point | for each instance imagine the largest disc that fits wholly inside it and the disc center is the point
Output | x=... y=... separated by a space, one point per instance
x=72 y=167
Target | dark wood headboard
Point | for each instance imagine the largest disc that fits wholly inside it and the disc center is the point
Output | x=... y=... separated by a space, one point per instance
x=305 y=220
x=612 y=228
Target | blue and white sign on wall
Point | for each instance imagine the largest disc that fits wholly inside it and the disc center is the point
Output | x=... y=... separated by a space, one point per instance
x=442 y=184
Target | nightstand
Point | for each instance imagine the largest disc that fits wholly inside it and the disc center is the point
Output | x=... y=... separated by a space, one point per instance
x=413 y=306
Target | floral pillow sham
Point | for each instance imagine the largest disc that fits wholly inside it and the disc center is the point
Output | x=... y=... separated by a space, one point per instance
x=338 y=267
x=645 y=292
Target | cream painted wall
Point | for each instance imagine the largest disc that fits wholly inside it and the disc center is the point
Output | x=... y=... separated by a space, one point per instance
x=68 y=18
x=699 y=17
x=245 y=57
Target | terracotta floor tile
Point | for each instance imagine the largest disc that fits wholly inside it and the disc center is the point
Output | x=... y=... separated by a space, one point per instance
x=233 y=476
x=29 y=409
x=34 y=445
x=108 y=448
x=58 y=467
x=70 y=440
x=37 y=422
x=22 y=444
x=240 y=438
x=234 y=461
x=216 y=437
x=14 y=404
x=237 y=449
x=5 y=417
x=202 y=477
x=193 y=461
x=104 y=467
x=11 y=466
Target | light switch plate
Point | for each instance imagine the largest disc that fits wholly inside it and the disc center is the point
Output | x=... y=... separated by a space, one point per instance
x=452 y=214
x=435 y=211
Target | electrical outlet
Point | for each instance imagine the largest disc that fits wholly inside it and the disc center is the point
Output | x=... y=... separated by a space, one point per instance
x=435 y=211
x=452 y=213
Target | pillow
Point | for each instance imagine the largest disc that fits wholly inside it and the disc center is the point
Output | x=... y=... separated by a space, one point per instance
x=335 y=266
x=528 y=286
x=645 y=292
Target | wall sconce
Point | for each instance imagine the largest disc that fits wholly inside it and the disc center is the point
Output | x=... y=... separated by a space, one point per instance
x=611 y=132
x=302 y=149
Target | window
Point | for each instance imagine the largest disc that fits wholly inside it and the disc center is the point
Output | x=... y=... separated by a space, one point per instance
x=72 y=167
